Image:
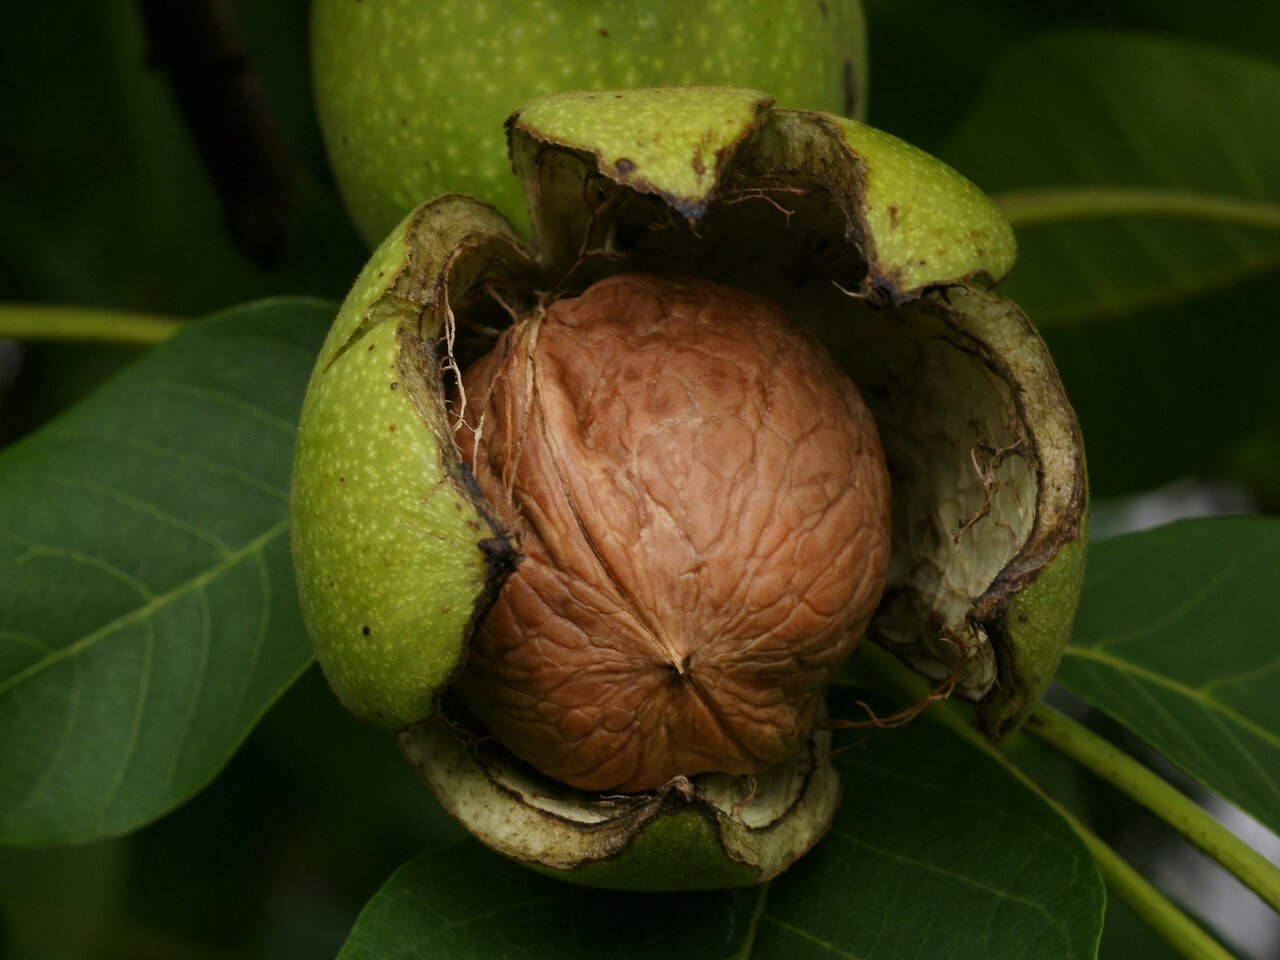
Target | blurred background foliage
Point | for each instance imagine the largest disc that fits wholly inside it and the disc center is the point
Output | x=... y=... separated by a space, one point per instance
x=104 y=203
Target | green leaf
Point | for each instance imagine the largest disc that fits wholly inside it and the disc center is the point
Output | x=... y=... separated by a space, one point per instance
x=1178 y=638
x=1167 y=392
x=147 y=613
x=1173 y=305
x=937 y=851
x=1256 y=32
x=1194 y=125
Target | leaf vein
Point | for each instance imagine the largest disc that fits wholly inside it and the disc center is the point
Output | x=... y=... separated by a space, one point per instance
x=35 y=550
x=230 y=400
x=163 y=453
x=1179 y=611
x=135 y=722
x=141 y=506
x=1032 y=905
x=252 y=548
x=1197 y=695
x=887 y=773
x=26 y=639
x=197 y=690
x=806 y=935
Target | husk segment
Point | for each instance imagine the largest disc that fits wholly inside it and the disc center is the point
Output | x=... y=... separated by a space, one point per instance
x=885 y=252
x=707 y=832
x=394 y=549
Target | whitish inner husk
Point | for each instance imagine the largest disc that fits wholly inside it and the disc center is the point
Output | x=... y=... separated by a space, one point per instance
x=756 y=802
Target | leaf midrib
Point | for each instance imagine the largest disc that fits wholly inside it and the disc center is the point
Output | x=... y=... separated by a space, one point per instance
x=1192 y=694
x=155 y=603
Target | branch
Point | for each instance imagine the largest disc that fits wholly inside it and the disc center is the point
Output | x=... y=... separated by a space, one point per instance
x=1029 y=208
x=199 y=45
x=1184 y=935
x=1153 y=792
x=1187 y=938
x=23 y=321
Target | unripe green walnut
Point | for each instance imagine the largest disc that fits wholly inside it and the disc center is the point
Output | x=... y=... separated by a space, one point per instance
x=411 y=94
x=883 y=253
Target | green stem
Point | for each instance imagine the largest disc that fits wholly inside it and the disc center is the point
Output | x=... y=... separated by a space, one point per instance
x=1179 y=931
x=1157 y=795
x=1187 y=938
x=753 y=925
x=23 y=321
x=1029 y=208
x=872 y=662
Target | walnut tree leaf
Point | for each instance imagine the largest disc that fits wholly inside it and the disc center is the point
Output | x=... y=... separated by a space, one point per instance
x=1178 y=638
x=937 y=851
x=147 y=609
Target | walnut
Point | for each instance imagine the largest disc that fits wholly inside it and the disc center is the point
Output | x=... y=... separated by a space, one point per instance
x=701 y=505
x=689 y=535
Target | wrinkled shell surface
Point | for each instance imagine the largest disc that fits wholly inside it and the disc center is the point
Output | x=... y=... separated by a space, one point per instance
x=702 y=507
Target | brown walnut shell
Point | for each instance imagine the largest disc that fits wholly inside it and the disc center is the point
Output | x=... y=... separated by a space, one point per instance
x=702 y=508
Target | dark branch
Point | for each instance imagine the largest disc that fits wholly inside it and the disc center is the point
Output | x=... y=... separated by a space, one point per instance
x=199 y=45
